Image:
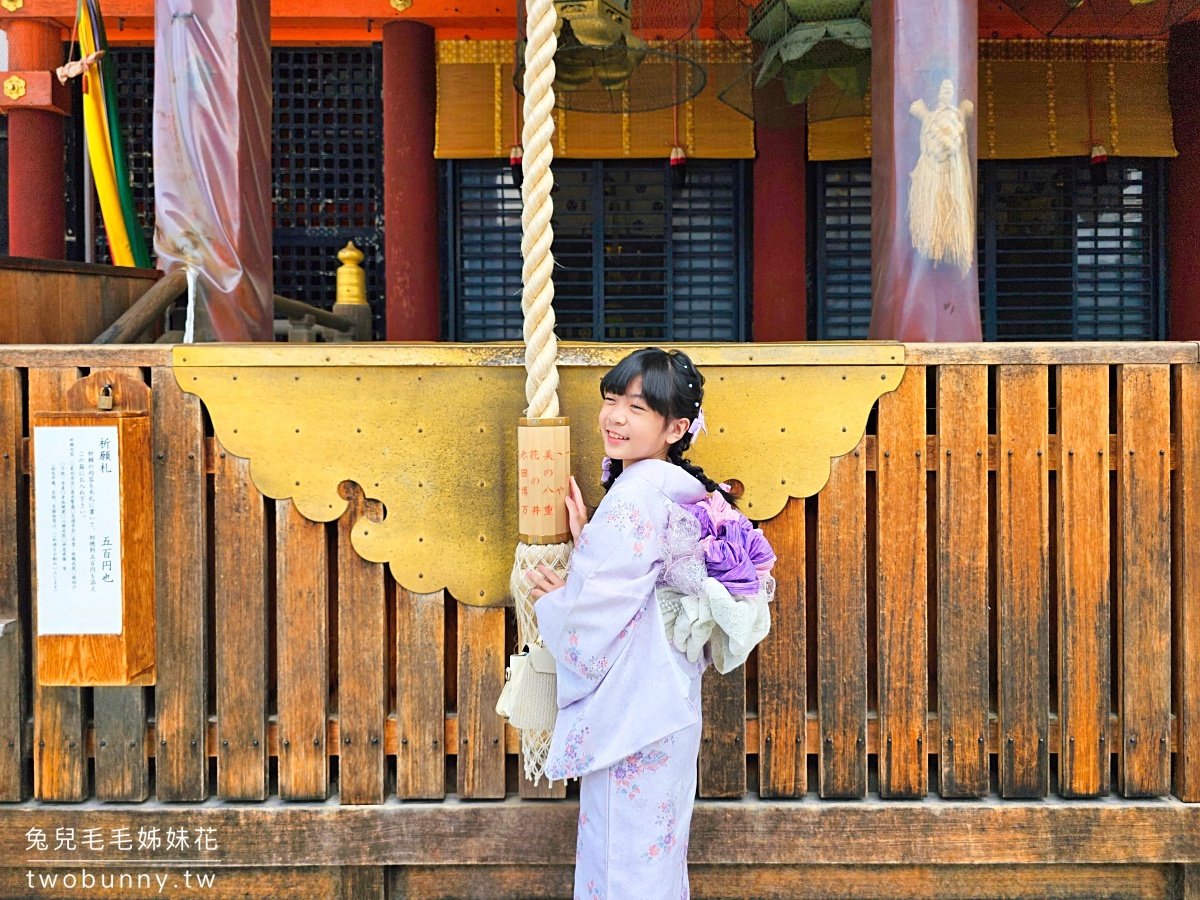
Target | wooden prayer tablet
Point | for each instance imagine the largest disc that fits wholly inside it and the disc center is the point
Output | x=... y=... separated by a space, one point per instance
x=93 y=538
x=544 y=476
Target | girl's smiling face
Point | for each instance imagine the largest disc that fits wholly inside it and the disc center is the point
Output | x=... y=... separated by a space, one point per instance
x=632 y=431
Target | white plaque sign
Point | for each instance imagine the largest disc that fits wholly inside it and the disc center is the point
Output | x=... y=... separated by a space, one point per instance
x=77 y=498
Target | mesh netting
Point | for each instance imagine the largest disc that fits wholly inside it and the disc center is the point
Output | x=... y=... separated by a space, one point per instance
x=622 y=56
x=535 y=745
x=1103 y=18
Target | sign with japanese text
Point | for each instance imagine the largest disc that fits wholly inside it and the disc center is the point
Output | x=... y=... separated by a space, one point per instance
x=543 y=476
x=93 y=534
x=78 y=524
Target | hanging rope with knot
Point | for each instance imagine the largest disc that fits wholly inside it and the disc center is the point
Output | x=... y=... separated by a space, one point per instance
x=537 y=305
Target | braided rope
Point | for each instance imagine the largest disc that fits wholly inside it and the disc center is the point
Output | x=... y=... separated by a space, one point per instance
x=537 y=305
x=537 y=235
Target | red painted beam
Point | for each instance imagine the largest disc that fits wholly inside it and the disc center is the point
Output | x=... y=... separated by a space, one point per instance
x=480 y=19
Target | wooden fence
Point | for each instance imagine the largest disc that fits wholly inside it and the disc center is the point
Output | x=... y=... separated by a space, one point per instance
x=994 y=598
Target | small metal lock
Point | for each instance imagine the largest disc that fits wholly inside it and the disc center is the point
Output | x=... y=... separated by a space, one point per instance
x=105 y=400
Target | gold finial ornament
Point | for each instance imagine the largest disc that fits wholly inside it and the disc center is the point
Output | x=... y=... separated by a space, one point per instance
x=401 y=5
x=14 y=85
x=351 y=278
x=12 y=5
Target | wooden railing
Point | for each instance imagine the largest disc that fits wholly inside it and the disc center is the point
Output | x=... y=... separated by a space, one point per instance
x=995 y=594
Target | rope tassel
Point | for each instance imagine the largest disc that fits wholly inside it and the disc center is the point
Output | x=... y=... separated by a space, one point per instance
x=941 y=193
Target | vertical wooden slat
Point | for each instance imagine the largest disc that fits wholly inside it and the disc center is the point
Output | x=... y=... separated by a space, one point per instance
x=362 y=664
x=1189 y=881
x=1186 y=555
x=12 y=712
x=782 y=680
x=12 y=664
x=962 y=622
x=119 y=720
x=122 y=770
x=842 y=628
x=723 y=734
x=240 y=576
x=480 y=678
x=302 y=642
x=181 y=576
x=1083 y=580
x=1023 y=580
x=901 y=526
x=363 y=883
x=1144 y=578
x=421 y=695
x=60 y=761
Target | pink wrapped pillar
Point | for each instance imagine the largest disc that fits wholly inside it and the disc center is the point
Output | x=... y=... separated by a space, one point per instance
x=212 y=159
x=924 y=272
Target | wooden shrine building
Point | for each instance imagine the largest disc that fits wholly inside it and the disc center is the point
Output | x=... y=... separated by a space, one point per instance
x=983 y=676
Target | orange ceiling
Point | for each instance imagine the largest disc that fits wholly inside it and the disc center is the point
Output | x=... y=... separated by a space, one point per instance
x=360 y=20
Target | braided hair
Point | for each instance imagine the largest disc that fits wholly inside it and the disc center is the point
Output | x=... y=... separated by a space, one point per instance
x=674 y=388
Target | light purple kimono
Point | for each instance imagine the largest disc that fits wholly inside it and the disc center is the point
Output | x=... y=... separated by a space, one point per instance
x=629 y=702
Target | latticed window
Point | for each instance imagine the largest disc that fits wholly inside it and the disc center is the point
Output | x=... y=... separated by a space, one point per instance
x=327 y=169
x=843 y=234
x=1059 y=257
x=327 y=163
x=636 y=259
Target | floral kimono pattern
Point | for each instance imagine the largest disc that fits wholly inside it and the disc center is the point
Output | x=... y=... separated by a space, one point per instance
x=629 y=703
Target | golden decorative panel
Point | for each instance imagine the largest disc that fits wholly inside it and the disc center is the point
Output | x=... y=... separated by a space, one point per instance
x=430 y=430
x=1037 y=102
x=475 y=109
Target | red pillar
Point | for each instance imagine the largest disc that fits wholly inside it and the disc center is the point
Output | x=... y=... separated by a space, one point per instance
x=1183 y=180
x=780 y=234
x=410 y=186
x=37 y=213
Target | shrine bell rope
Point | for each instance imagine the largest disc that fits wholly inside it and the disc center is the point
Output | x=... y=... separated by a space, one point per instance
x=540 y=543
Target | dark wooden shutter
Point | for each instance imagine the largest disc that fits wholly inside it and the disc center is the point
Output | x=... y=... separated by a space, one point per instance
x=1059 y=258
x=635 y=258
x=843 y=258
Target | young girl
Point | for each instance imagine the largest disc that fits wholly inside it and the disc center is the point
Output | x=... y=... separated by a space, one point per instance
x=629 y=701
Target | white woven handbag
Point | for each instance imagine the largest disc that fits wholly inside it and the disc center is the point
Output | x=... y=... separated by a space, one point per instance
x=530 y=695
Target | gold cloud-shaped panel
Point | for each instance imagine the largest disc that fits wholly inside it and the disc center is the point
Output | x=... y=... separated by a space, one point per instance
x=430 y=431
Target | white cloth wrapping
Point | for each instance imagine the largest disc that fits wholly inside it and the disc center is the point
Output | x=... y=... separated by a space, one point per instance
x=730 y=626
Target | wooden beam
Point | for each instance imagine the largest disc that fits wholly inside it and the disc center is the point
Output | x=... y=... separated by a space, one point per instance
x=748 y=831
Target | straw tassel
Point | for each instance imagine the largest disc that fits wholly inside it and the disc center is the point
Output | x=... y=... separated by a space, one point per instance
x=941 y=191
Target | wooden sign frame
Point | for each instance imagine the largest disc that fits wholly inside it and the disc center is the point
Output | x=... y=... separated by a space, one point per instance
x=128 y=657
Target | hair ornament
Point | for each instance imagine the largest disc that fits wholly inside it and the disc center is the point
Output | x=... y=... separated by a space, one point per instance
x=697 y=425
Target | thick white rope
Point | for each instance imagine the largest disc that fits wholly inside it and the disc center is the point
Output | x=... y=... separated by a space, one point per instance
x=537 y=235
x=537 y=299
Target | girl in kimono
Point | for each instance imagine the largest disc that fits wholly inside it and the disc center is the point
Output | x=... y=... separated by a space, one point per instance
x=629 y=702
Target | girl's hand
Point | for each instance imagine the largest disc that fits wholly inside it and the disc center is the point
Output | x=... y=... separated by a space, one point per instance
x=576 y=511
x=544 y=581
